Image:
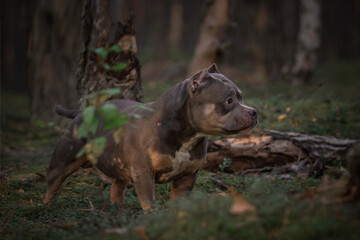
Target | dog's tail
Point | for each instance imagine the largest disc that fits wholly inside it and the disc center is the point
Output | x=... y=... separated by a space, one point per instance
x=66 y=112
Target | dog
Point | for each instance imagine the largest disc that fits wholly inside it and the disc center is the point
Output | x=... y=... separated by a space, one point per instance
x=167 y=145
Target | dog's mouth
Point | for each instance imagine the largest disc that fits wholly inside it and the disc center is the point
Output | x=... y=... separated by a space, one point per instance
x=241 y=129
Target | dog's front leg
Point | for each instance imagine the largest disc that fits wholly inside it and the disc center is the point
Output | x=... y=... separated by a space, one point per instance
x=117 y=192
x=145 y=189
x=182 y=186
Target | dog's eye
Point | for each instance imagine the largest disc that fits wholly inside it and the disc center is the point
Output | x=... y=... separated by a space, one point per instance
x=229 y=100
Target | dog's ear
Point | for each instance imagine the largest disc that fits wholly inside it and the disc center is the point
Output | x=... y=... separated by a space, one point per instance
x=196 y=80
x=213 y=69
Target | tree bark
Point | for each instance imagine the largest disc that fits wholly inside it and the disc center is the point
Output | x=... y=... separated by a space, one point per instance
x=53 y=48
x=92 y=74
x=308 y=41
x=276 y=149
x=353 y=185
x=212 y=35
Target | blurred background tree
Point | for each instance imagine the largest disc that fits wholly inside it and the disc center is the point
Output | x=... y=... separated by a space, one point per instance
x=212 y=35
x=308 y=41
x=54 y=43
x=261 y=44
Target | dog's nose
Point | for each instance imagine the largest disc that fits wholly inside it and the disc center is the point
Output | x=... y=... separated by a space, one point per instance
x=253 y=113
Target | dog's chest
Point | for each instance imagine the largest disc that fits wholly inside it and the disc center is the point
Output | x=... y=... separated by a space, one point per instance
x=168 y=167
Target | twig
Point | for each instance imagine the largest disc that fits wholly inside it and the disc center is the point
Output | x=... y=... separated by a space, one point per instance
x=91 y=209
x=219 y=183
x=258 y=170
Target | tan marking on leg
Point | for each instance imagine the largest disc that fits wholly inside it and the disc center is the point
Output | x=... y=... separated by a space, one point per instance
x=159 y=161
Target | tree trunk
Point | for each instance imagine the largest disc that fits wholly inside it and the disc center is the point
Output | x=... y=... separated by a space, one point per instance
x=308 y=41
x=93 y=72
x=15 y=43
x=53 y=49
x=176 y=26
x=212 y=35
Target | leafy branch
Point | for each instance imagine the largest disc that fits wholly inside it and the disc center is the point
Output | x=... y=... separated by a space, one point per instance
x=103 y=53
x=225 y=164
x=111 y=119
x=91 y=120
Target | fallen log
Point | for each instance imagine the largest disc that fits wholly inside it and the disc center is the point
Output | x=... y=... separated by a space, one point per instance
x=273 y=149
x=344 y=189
x=317 y=147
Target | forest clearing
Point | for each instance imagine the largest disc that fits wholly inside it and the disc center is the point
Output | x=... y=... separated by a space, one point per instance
x=295 y=175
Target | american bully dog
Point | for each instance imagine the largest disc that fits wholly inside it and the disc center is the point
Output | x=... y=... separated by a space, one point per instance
x=168 y=146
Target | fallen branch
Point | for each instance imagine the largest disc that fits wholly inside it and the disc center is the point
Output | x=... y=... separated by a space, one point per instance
x=317 y=147
x=308 y=154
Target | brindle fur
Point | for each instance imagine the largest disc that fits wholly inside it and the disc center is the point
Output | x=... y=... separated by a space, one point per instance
x=169 y=145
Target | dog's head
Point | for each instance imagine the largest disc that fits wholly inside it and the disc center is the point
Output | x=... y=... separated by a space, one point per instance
x=216 y=106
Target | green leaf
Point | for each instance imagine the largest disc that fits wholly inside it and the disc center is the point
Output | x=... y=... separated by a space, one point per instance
x=115 y=48
x=107 y=66
x=102 y=52
x=95 y=148
x=137 y=115
x=118 y=134
x=225 y=164
x=90 y=123
x=81 y=152
x=40 y=123
x=119 y=67
x=141 y=106
x=108 y=108
x=112 y=119
x=110 y=91
x=88 y=114
x=99 y=97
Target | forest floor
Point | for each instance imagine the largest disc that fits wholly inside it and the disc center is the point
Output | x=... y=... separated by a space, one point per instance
x=256 y=207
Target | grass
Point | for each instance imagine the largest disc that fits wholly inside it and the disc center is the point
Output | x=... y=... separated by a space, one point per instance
x=82 y=209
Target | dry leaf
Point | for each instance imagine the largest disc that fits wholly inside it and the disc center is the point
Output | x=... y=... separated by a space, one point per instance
x=282 y=117
x=223 y=194
x=240 y=205
x=75 y=131
x=141 y=232
x=118 y=134
x=21 y=190
x=122 y=230
x=181 y=214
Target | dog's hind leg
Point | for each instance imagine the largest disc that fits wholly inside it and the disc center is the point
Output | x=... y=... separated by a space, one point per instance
x=63 y=163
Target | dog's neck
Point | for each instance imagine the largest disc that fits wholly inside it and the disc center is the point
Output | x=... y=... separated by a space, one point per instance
x=174 y=115
x=174 y=99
